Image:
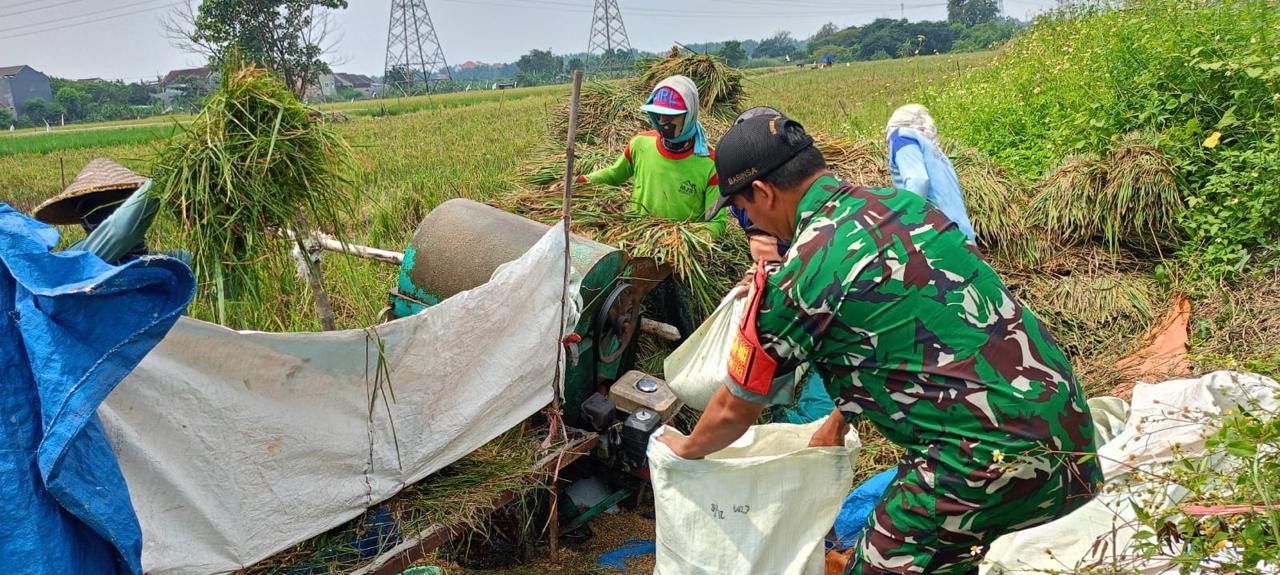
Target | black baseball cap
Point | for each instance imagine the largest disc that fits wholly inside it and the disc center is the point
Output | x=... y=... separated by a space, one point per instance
x=752 y=149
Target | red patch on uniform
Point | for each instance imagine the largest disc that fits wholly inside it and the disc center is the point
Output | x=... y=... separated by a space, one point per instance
x=750 y=365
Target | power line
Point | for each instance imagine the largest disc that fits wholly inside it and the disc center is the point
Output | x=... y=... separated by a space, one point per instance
x=39 y=8
x=27 y=3
x=84 y=15
x=640 y=12
x=77 y=24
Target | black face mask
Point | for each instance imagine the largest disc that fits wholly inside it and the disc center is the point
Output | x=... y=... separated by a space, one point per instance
x=668 y=129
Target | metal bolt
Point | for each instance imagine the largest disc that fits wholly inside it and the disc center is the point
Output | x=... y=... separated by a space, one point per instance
x=647 y=385
x=644 y=415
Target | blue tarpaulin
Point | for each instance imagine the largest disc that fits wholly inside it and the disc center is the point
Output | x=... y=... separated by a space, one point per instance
x=858 y=506
x=71 y=328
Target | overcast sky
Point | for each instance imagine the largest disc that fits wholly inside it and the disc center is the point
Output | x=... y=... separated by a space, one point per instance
x=122 y=39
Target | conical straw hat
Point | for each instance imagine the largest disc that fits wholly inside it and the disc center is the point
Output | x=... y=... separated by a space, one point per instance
x=106 y=180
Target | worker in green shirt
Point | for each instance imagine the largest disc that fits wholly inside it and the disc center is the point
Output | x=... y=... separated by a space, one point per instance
x=113 y=206
x=672 y=167
x=673 y=171
x=911 y=329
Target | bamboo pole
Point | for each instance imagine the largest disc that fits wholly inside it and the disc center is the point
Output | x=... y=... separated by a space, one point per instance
x=566 y=218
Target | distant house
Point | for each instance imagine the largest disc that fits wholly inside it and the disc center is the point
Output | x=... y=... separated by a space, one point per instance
x=332 y=85
x=175 y=84
x=20 y=84
x=178 y=78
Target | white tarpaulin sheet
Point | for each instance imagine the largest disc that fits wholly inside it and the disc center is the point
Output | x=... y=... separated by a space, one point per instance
x=1166 y=422
x=237 y=445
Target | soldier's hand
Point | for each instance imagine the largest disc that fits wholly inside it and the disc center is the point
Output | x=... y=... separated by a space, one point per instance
x=679 y=445
x=832 y=432
x=746 y=281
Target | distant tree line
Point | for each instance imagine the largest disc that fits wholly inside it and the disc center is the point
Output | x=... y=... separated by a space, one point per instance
x=85 y=101
x=971 y=25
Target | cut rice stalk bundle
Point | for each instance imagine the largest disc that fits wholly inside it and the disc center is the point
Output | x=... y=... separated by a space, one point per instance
x=707 y=268
x=1065 y=205
x=255 y=161
x=548 y=166
x=860 y=162
x=996 y=204
x=609 y=112
x=1142 y=192
x=720 y=86
x=1129 y=199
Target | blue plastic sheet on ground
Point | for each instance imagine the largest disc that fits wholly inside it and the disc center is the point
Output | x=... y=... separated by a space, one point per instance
x=857 y=508
x=633 y=548
x=71 y=328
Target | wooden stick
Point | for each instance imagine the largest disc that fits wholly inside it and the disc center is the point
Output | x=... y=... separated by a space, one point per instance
x=659 y=330
x=566 y=219
x=315 y=278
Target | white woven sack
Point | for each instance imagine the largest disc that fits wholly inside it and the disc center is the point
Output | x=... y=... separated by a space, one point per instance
x=762 y=505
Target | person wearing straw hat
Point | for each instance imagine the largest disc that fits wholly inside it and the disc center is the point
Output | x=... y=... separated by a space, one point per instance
x=111 y=203
x=918 y=165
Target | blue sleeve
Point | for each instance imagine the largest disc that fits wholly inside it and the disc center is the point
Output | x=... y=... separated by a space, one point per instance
x=124 y=229
x=741 y=217
x=907 y=165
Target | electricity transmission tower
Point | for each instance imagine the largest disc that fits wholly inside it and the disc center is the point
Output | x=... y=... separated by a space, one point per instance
x=414 y=55
x=608 y=39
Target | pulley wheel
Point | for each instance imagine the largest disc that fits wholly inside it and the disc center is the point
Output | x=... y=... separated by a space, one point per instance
x=617 y=322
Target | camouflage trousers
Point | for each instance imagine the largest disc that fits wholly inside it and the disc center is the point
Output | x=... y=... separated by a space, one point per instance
x=941 y=522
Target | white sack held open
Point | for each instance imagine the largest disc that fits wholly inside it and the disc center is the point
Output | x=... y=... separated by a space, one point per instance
x=698 y=368
x=762 y=505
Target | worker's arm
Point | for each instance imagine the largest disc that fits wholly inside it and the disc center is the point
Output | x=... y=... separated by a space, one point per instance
x=720 y=223
x=727 y=417
x=907 y=166
x=124 y=229
x=614 y=175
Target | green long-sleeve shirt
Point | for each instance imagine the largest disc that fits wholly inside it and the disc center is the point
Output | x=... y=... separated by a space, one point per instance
x=678 y=187
x=124 y=231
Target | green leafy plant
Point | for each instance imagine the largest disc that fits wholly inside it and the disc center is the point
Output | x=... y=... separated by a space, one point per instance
x=1202 y=77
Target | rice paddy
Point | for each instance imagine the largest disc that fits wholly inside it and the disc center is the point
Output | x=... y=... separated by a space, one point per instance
x=1061 y=252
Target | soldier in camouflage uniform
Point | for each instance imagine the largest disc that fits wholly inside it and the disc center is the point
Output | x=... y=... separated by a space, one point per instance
x=913 y=330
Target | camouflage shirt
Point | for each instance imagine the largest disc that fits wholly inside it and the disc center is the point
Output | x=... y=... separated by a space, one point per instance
x=911 y=328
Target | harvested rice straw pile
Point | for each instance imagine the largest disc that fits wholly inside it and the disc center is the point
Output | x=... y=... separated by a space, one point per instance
x=860 y=162
x=256 y=160
x=1127 y=199
x=1096 y=303
x=1142 y=191
x=720 y=86
x=708 y=268
x=609 y=112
